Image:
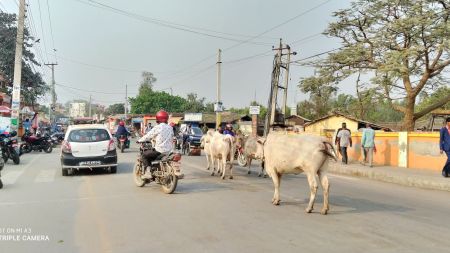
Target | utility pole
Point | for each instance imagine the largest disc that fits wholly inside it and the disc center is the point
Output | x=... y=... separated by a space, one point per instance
x=271 y=117
x=286 y=79
x=53 y=104
x=90 y=106
x=126 y=101
x=15 y=105
x=219 y=77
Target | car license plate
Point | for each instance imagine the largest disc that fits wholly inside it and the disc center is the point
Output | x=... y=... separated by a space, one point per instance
x=90 y=163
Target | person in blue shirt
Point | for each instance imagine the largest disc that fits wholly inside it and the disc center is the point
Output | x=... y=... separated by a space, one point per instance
x=368 y=144
x=27 y=125
x=444 y=146
x=122 y=130
x=229 y=130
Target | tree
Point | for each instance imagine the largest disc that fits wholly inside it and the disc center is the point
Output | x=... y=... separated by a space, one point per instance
x=403 y=44
x=115 y=109
x=148 y=79
x=194 y=104
x=33 y=87
x=320 y=94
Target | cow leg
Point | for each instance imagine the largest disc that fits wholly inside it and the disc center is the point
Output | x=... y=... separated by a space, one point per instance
x=213 y=165
x=249 y=163
x=207 y=161
x=224 y=167
x=326 y=187
x=231 y=170
x=263 y=171
x=313 y=189
x=276 y=178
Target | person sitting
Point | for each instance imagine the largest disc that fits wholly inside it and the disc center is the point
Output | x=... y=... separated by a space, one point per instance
x=229 y=130
x=121 y=130
x=162 y=133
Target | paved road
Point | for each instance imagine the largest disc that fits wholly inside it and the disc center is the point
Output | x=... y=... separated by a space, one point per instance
x=97 y=212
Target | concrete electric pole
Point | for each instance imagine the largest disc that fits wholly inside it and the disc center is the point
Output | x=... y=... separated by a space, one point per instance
x=53 y=104
x=271 y=118
x=126 y=101
x=219 y=77
x=90 y=106
x=15 y=105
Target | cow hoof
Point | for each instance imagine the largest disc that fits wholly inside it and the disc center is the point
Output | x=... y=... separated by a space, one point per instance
x=308 y=210
x=259 y=175
x=276 y=202
x=231 y=177
x=207 y=168
x=212 y=174
x=249 y=172
x=265 y=176
x=223 y=178
x=324 y=211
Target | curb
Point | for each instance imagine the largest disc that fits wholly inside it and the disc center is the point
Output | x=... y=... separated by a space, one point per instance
x=395 y=178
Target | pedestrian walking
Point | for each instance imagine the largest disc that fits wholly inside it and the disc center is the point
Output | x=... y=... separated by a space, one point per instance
x=444 y=145
x=368 y=144
x=344 y=140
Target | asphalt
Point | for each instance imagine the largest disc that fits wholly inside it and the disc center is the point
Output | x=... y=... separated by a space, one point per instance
x=100 y=212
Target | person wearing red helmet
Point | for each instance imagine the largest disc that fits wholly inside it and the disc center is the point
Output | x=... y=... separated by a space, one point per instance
x=122 y=130
x=162 y=133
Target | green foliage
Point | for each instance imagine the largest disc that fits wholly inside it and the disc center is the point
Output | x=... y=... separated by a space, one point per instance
x=426 y=100
x=398 y=42
x=148 y=101
x=194 y=104
x=245 y=110
x=115 y=109
x=33 y=87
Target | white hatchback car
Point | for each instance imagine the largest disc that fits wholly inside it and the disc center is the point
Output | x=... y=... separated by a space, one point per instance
x=88 y=147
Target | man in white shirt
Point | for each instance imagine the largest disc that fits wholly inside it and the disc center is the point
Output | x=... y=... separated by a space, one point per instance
x=163 y=136
x=344 y=139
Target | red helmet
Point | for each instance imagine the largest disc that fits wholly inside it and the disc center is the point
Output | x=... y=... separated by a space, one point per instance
x=162 y=116
x=121 y=123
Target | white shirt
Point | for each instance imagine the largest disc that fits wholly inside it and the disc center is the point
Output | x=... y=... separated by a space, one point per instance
x=163 y=135
x=344 y=136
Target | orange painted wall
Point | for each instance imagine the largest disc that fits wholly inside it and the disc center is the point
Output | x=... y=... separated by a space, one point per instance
x=423 y=151
x=386 y=145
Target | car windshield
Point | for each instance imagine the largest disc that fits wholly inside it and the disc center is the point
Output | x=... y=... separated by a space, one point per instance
x=196 y=131
x=88 y=135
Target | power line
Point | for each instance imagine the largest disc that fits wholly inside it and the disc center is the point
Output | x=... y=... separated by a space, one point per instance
x=51 y=29
x=163 y=23
x=42 y=29
x=90 y=91
x=281 y=24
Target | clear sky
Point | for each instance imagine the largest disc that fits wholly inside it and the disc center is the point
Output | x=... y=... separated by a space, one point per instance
x=101 y=50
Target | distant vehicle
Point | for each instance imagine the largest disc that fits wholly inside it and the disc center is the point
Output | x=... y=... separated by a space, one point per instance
x=192 y=141
x=88 y=147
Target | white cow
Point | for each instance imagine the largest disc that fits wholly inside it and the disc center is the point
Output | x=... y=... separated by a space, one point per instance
x=294 y=154
x=249 y=145
x=205 y=143
x=222 y=150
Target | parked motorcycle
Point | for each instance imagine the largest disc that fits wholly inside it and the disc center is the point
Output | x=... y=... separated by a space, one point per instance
x=2 y=164
x=165 y=170
x=31 y=142
x=57 y=138
x=10 y=147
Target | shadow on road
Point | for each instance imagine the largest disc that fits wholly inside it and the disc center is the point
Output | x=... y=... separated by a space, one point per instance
x=193 y=187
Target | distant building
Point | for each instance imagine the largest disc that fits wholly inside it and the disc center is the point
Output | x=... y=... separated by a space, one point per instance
x=77 y=110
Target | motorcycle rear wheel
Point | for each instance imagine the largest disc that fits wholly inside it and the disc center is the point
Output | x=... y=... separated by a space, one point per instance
x=48 y=149
x=122 y=147
x=137 y=175
x=26 y=148
x=242 y=160
x=15 y=157
x=170 y=184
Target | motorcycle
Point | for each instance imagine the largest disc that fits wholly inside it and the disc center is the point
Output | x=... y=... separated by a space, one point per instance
x=31 y=143
x=57 y=138
x=10 y=147
x=2 y=164
x=123 y=143
x=165 y=170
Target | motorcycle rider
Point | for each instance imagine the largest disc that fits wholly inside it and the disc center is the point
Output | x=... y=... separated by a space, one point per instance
x=121 y=130
x=162 y=133
x=229 y=130
x=186 y=132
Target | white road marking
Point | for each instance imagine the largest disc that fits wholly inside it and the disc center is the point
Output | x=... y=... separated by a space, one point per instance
x=46 y=176
x=342 y=177
x=12 y=176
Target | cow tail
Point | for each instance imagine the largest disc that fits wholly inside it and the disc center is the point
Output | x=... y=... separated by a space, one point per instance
x=327 y=152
